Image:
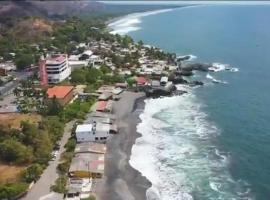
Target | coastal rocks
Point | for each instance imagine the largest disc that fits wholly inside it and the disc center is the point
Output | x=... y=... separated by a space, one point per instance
x=185 y=73
x=195 y=83
x=196 y=66
x=176 y=79
x=183 y=58
x=160 y=91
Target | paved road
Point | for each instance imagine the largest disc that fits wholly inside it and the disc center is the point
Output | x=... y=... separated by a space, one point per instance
x=42 y=186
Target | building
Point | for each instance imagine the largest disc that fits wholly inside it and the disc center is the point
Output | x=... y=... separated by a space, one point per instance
x=63 y=94
x=101 y=106
x=95 y=132
x=78 y=188
x=87 y=165
x=163 y=80
x=105 y=96
x=140 y=80
x=90 y=147
x=57 y=68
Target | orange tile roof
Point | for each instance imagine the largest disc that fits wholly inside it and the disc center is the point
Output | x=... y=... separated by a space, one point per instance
x=59 y=91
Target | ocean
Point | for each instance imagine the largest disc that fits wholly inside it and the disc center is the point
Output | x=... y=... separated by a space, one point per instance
x=214 y=142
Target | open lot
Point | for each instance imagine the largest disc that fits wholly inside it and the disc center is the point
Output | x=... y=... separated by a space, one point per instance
x=10 y=173
x=14 y=119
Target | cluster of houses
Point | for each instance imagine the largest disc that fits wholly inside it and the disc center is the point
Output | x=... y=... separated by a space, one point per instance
x=87 y=165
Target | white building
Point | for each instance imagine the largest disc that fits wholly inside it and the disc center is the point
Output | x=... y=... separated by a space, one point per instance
x=95 y=132
x=57 y=68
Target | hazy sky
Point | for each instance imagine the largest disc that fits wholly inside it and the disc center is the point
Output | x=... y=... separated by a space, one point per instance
x=151 y=2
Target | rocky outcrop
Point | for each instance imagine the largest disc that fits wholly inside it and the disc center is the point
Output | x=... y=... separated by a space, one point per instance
x=183 y=58
x=195 y=83
x=196 y=66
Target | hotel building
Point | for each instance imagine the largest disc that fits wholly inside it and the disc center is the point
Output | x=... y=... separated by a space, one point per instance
x=57 y=68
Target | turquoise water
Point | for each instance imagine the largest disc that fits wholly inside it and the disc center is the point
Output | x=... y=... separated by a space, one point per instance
x=213 y=143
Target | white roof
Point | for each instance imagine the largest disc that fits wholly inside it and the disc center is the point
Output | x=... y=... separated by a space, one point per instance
x=164 y=79
x=84 y=128
x=88 y=52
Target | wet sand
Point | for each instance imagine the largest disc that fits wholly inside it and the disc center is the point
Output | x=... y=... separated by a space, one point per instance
x=121 y=181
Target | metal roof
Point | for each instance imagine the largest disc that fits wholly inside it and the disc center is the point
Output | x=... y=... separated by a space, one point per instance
x=84 y=128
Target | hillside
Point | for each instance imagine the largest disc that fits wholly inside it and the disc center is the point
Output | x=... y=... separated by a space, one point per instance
x=37 y=29
x=10 y=9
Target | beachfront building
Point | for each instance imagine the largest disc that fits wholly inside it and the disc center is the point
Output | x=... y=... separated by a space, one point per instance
x=64 y=94
x=57 y=68
x=87 y=165
x=95 y=132
x=78 y=188
x=90 y=147
x=163 y=80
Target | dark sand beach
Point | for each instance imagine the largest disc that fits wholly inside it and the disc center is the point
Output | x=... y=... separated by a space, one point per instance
x=121 y=181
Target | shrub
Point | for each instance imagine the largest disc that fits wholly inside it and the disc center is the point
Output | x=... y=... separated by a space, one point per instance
x=70 y=145
x=32 y=173
x=60 y=185
x=8 y=191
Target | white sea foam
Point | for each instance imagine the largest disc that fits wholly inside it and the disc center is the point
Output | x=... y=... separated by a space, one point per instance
x=176 y=154
x=215 y=80
x=217 y=67
x=131 y=22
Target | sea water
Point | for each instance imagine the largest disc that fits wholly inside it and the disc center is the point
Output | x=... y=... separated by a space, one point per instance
x=213 y=142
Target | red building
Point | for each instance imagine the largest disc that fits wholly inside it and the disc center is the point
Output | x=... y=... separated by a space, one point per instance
x=63 y=94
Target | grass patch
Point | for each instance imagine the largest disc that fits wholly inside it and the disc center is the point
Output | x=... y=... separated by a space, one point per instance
x=14 y=119
x=10 y=173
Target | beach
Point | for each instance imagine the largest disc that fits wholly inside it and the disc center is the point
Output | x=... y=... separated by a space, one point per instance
x=121 y=181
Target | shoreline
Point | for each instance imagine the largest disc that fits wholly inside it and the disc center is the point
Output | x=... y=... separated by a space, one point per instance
x=121 y=180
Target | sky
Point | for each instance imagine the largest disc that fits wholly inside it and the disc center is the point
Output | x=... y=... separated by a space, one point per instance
x=179 y=2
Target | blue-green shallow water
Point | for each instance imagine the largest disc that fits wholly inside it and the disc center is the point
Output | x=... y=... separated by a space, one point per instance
x=240 y=111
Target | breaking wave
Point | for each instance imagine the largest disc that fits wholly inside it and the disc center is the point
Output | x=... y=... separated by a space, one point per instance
x=131 y=22
x=177 y=152
x=215 y=80
x=216 y=67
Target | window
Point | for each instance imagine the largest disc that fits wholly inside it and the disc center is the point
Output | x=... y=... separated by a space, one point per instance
x=96 y=138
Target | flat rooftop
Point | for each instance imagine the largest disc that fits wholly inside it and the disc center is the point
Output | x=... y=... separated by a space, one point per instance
x=84 y=127
x=90 y=147
x=56 y=58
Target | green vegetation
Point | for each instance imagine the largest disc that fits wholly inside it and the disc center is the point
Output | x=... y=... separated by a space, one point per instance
x=32 y=173
x=76 y=110
x=94 y=78
x=31 y=144
x=14 y=151
x=12 y=190
x=24 y=60
x=60 y=184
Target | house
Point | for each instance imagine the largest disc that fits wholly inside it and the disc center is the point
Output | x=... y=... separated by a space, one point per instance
x=8 y=66
x=109 y=106
x=63 y=94
x=78 y=188
x=101 y=106
x=95 y=132
x=121 y=85
x=140 y=80
x=163 y=80
x=90 y=147
x=155 y=84
x=105 y=89
x=117 y=91
x=87 y=165
x=57 y=68
x=105 y=96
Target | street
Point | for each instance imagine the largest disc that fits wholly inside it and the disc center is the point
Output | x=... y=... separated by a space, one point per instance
x=42 y=187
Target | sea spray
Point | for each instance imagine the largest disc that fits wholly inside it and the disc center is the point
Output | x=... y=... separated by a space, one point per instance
x=177 y=152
